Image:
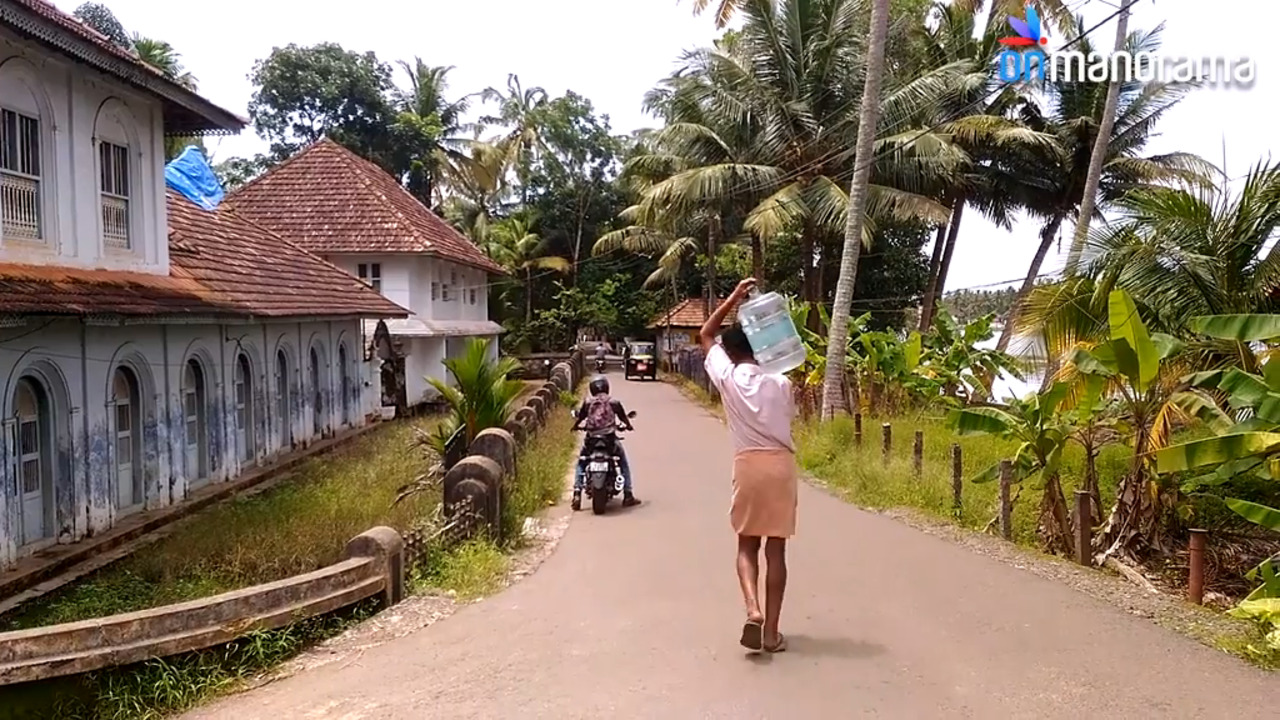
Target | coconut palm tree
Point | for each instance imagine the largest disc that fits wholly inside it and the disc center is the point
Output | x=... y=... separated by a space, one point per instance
x=1056 y=177
x=1184 y=251
x=478 y=190
x=869 y=113
x=512 y=244
x=430 y=130
x=518 y=110
x=766 y=120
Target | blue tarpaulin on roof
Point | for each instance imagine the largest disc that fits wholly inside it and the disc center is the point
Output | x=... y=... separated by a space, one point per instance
x=190 y=174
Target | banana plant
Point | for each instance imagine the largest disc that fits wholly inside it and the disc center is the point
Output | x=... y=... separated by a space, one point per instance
x=1034 y=422
x=1251 y=444
x=1145 y=374
x=954 y=361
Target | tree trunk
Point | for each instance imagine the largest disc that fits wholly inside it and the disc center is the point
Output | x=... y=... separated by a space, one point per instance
x=953 y=231
x=1046 y=242
x=757 y=258
x=1099 y=155
x=868 y=116
x=1133 y=526
x=1055 y=519
x=935 y=264
x=713 y=246
x=528 y=296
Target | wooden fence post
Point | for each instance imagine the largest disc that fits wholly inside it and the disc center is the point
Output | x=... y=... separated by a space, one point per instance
x=1195 y=576
x=886 y=441
x=857 y=429
x=917 y=453
x=957 y=473
x=1084 y=528
x=1006 y=507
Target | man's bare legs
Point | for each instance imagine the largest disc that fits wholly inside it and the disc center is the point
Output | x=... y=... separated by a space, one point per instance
x=749 y=575
x=775 y=585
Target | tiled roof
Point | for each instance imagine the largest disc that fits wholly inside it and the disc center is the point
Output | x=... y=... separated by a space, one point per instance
x=690 y=313
x=221 y=265
x=185 y=112
x=329 y=200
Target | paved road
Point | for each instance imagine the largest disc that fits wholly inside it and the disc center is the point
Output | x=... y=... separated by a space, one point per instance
x=637 y=615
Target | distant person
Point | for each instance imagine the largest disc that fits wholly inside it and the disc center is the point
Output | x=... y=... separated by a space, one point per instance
x=601 y=350
x=760 y=408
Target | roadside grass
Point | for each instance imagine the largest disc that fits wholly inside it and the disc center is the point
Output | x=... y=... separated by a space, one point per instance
x=828 y=452
x=298 y=526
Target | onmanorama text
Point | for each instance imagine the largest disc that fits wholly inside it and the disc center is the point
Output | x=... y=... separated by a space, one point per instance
x=1076 y=66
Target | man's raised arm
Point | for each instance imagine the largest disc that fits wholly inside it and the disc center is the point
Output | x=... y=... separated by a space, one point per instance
x=711 y=328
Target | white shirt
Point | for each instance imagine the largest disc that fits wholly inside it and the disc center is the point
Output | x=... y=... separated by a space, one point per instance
x=759 y=405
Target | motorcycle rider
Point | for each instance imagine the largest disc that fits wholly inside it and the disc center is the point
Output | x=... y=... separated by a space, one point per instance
x=601 y=352
x=599 y=415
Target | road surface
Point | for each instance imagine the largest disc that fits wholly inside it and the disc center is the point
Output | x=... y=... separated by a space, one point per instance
x=637 y=615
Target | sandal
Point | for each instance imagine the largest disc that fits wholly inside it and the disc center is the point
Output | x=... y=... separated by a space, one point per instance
x=780 y=646
x=752 y=635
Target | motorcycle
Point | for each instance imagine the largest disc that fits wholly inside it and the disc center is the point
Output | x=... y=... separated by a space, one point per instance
x=600 y=363
x=603 y=475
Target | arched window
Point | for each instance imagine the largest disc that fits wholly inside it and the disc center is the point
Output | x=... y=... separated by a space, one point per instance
x=244 y=408
x=194 y=411
x=118 y=149
x=26 y=199
x=317 y=396
x=35 y=459
x=344 y=383
x=284 y=419
x=128 y=417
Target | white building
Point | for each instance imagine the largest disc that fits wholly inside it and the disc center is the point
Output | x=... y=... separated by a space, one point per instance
x=147 y=346
x=347 y=210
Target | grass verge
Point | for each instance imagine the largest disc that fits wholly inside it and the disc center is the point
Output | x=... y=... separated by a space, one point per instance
x=295 y=527
x=163 y=687
x=262 y=538
x=828 y=452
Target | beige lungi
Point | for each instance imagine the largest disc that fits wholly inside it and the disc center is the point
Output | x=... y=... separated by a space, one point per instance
x=764 y=493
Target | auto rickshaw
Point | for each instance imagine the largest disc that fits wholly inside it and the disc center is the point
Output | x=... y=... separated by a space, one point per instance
x=642 y=361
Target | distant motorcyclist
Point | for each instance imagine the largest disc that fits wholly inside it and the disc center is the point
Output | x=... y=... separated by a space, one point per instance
x=599 y=416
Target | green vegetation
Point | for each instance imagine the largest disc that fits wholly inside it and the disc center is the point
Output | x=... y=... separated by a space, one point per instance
x=481 y=395
x=163 y=687
x=295 y=527
x=827 y=451
x=299 y=525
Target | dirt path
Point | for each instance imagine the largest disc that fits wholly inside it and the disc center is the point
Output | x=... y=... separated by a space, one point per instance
x=637 y=614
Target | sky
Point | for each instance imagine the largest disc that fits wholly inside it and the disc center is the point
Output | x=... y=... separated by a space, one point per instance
x=613 y=51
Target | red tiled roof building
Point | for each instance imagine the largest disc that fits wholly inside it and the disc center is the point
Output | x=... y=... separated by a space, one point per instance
x=349 y=211
x=148 y=347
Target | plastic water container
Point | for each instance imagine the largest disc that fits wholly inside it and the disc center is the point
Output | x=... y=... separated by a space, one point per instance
x=766 y=320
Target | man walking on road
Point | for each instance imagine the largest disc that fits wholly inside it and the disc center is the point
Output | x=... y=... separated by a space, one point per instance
x=760 y=408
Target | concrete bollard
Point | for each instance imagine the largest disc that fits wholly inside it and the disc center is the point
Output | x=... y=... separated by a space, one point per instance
x=385 y=546
x=475 y=483
x=539 y=408
x=1006 y=505
x=516 y=429
x=499 y=446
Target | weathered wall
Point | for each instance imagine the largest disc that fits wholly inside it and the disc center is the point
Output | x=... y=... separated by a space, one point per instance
x=87 y=484
x=76 y=107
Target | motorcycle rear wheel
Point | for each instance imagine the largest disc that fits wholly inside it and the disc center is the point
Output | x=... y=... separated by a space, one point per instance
x=599 y=502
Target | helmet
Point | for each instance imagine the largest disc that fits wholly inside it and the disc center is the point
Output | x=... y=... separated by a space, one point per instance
x=599 y=386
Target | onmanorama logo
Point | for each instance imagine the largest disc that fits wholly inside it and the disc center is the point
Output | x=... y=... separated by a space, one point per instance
x=1075 y=66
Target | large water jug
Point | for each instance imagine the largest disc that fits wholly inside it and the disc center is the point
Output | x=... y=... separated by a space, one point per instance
x=766 y=320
